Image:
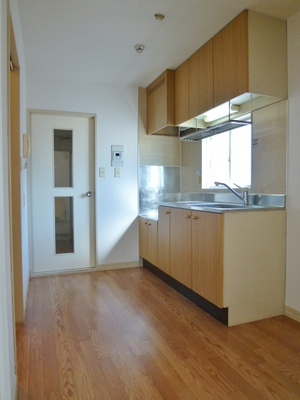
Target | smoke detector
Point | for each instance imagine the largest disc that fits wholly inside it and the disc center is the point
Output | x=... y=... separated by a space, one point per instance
x=139 y=48
x=159 y=17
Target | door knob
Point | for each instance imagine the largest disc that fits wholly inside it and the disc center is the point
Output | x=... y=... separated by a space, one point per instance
x=88 y=194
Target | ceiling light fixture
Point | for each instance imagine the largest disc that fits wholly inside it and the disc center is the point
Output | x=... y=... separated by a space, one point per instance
x=159 y=17
x=139 y=48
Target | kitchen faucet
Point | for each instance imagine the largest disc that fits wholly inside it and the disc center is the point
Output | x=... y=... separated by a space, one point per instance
x=244 y=197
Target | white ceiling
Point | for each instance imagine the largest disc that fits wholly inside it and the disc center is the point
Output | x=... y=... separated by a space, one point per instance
x=93 y=40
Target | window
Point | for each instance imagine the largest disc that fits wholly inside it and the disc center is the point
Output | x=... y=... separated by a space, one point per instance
x=227 y=158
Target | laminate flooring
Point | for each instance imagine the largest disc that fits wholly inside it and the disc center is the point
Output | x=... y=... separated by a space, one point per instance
x=124 y=334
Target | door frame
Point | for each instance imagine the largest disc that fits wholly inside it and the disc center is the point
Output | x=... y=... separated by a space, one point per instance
x=15 y=174
x=92 y=126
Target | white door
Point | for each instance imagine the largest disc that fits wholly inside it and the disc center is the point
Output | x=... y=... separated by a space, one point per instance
x=63 y=201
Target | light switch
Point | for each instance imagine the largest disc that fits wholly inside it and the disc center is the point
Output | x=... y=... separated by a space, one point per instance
x=117 y=172
x=102 y=172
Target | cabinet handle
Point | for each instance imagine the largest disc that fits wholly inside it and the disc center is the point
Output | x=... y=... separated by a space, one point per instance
x=194 y=217
x=167 y=212
x=146 y=223
x=149 y=224
x=187 y=216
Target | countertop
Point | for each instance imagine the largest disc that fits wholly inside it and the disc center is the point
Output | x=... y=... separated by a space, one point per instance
x=210 y=207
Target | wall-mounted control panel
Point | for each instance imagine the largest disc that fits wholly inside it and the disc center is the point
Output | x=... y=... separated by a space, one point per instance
x=117 y=156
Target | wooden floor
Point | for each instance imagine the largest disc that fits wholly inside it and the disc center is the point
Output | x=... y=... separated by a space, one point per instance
x=124 y=334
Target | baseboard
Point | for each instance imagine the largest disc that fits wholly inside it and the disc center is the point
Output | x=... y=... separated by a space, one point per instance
x=62 y=272
x=106 y=267
x=292 y=313
x=102 y=267
x=15 y=389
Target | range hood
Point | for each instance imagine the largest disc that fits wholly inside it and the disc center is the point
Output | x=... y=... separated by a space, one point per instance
x=233 y=114
x=193 y=135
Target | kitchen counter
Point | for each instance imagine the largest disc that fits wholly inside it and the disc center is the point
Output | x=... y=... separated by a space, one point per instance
x=220 y=208
x=219 y=205
x=224 y=256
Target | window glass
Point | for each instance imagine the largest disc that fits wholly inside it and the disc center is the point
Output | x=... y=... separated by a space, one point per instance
x=227 y=158
x=240 y=157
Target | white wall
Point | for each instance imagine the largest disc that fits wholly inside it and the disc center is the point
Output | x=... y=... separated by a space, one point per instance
x=293 y=167
x=116 y=110
x=7 y=363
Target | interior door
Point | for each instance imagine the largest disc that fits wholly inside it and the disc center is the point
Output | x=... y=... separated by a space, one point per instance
x=63 y=201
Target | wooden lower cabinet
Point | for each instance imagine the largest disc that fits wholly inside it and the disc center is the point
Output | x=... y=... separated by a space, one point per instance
x=235 y=260
x=143 y=237
x=163 y=242
x=148 y=240
x=207 y=256
x=180 y=246
x=196 y=256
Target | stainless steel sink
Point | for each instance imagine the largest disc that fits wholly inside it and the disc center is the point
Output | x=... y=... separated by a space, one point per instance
x=226 y=205
x=197 y=204
x=216 y=205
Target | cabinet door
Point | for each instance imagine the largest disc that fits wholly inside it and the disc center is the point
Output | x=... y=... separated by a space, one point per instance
x=164 y=239
x=152 y=242
x=230 y=60
x=201 y=80
x=160 y=102
x=207 y=251
x=180 y=247
x=182 y=93
x=143 y=237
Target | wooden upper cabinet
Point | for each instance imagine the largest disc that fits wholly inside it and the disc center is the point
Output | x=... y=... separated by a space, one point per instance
x=200 y=84
x=267 y=47
x=182 y=93
x=194 y=85
x=250 y=56
x=230 y=56
x=161 y=105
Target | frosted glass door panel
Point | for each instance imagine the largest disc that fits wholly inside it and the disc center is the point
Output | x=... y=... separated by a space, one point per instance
x=63 y=168
x=64 y=235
